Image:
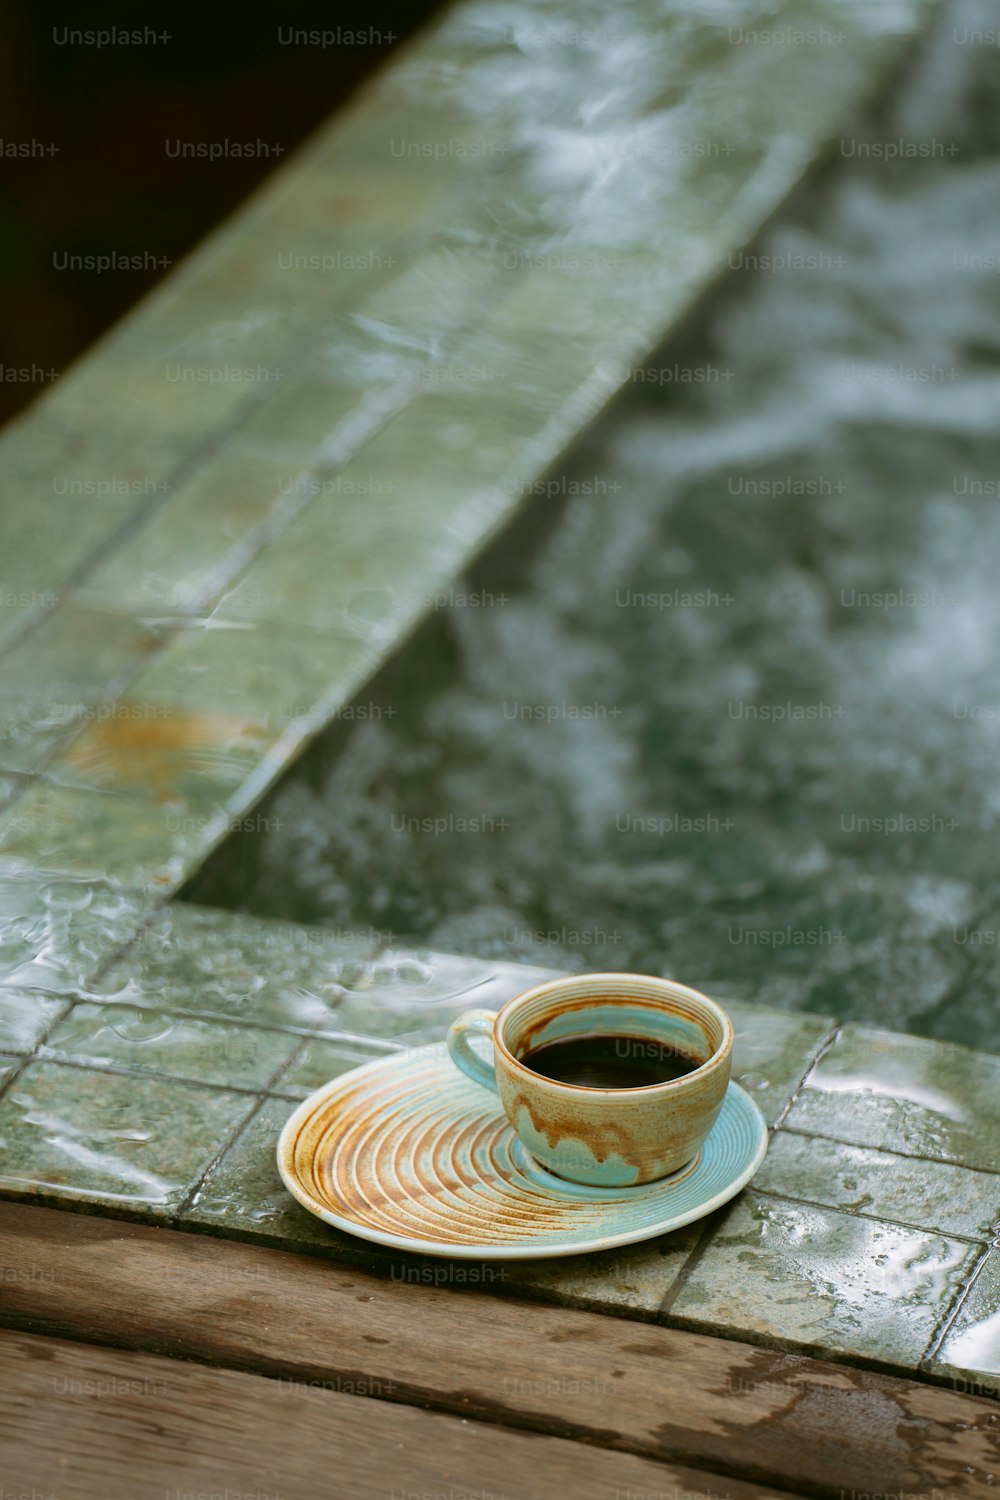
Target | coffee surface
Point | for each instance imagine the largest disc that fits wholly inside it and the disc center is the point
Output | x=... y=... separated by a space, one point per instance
x=609 y=1062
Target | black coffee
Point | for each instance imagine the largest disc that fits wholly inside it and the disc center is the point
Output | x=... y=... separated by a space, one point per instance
x=609 y=1062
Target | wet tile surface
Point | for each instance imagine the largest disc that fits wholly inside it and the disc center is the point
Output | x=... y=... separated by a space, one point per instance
x=970 y=1352
x=141 y=844
x=867 y=1266
x=414 y=404
x=326 y=1058
x=773 y=1051
x=200 y=722
x=139 y=1143
x=184 y=557
x=243 y=1192
x=148 y=1041
x=25 y=1017
x=57 y=932
x=62 y=676
x=934 y=1099
x=211 y=963
x=11 y=786
x=817 y=1279
x=635 y=1278
x=413 y=997
x=925 y=1194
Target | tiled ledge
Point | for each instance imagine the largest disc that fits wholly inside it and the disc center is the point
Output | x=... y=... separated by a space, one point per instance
x=225 y=516
x=230 y=512
x=157 y=1090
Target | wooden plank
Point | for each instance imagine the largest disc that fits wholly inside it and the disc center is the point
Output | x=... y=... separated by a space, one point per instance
x=80 y=1422
x=757 y=1414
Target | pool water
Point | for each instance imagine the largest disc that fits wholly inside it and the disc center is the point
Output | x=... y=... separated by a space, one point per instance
x=725 y=703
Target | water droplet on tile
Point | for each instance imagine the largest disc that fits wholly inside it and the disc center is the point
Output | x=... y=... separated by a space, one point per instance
x=755 y=1081
x=67 y=896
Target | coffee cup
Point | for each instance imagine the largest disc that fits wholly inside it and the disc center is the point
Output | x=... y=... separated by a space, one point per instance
x=600 y=1136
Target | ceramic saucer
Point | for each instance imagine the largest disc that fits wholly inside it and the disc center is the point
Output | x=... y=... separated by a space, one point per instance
x=406 y=1151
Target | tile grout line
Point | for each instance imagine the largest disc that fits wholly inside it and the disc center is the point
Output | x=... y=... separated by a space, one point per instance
x=189 y=464
x=698 y=1250
x=944 y=1327
x=384 y=403
x=262 y=1096
x=818 y=1055
x=21 y=1069
x=217 y=1018
x=120 y=1070
x=176 y=477
x=940 y=1161
x=848 y=1213
x=351 y=436
x=705 y=1239
x=73 y=999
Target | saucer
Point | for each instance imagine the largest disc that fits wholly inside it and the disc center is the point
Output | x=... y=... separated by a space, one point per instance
x=408 y=1152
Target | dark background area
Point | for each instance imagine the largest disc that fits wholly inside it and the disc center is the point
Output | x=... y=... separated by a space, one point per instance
x=99 y=179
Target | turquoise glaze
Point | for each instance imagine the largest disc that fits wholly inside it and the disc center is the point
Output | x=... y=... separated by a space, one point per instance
x=604 y=1137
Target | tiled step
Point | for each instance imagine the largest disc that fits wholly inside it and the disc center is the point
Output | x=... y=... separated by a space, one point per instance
x=317 y=419
x=869 y=1233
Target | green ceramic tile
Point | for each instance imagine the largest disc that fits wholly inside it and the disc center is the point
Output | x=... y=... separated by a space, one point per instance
x=194 y=544
x=412 y=997
x=551 y=286
x=148 y=1041
x=209 y=726
x=512 y=383
x=142 y=844
x=25 y=1017
x=275 y=676
x=121 y=1140
x=970 y=1352
x=167 y=406
x=317 y=409
x=411 y=128
x=879 y=1088
x=327 y=1058
x=437 y=294
x=61 y=674
x=635 y=1278
x=773 y=1051
x=12 y=785
x=79 y=471
x=243 y=1194
x=256 y=294
x=213 y=716
x=925 y=1194
x=194 y=761
x=384 y=201
x=215 y=963
x=823 y=1281
x=233 y=315
x=322 y=570
x=64 y=493
x=57 y=932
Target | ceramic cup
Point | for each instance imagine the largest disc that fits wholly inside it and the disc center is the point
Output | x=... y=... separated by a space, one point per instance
x=603 y=1137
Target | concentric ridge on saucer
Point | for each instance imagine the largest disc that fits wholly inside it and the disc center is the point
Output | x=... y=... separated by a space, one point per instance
x=407 y=1152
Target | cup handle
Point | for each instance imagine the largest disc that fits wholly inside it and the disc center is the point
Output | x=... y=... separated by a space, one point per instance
x=472 y=1023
